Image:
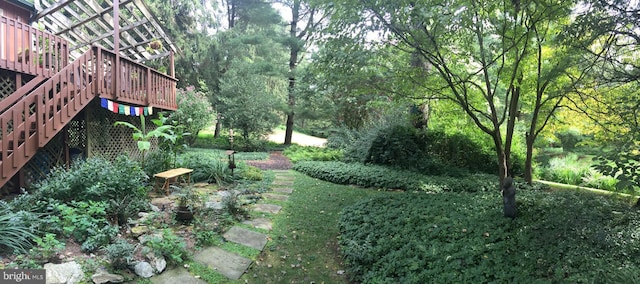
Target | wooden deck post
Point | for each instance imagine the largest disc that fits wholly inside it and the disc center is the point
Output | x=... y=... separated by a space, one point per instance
x=116 y=72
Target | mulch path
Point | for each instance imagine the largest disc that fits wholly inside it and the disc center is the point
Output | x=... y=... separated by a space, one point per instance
x=276 y=161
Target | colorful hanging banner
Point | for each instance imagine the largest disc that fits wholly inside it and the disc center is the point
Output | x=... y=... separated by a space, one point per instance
x=124 y=109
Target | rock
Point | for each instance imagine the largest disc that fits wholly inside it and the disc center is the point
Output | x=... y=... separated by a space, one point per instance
x=159 y=263
x=139 y=230
x=143 y=215
x=103 y=276
x=64 y=273
x=155 y=208
x=143 y=269
x=213 y=205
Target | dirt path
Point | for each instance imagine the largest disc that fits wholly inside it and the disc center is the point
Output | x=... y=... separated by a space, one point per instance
x=297 y=138
x=276 y=161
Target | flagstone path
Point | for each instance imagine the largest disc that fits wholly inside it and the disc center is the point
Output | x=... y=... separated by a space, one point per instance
x=230 y=264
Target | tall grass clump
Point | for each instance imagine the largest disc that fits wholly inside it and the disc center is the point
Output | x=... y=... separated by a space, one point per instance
x=15 y=233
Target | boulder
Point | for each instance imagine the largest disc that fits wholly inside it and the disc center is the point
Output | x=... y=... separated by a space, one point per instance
x=64 y=273
x=143 y=269
x=102 y=276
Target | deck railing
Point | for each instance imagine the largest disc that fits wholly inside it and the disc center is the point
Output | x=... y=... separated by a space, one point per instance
x=134 y=83
x=26 y=49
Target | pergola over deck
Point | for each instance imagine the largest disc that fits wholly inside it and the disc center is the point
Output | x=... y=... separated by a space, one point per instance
x=127 y=26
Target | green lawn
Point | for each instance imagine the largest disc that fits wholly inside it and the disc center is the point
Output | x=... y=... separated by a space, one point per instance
x=304 y=241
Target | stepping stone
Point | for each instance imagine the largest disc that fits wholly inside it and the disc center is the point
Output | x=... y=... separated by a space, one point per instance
x=267 y=208
x=178 y=275
x=283 y=182
x=246 y=237
x=260 y=223
x=226 y=263
x=274 y=196
x=284 y=190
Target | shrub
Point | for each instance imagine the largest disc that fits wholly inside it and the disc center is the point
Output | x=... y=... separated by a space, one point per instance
x=297 y=153
x=206 y=169
x=194 y=112
x=46 y=247
x=250 y=173
x=558 y=237
x=569 y=138
x=157 y=162
x=431 y=151
x=86 y=222
x=384 y=177
x=567 y=169
x=594 y=178
x=170 y=246
x=122 y=184
x=120 y=253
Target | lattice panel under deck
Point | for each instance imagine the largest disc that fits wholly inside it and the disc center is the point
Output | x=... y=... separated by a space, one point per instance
x=47 y=158
x=109 y=141
x=7 y=84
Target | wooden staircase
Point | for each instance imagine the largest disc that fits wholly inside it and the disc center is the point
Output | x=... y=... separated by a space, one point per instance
x=36 y=112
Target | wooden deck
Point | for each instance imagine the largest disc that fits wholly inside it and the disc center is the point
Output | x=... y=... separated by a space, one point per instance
x=56 y=90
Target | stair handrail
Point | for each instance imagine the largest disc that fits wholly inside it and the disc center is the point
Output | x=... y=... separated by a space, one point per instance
x=18 y=94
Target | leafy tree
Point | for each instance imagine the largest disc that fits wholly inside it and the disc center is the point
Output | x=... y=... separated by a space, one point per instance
x=194 y=111
x=480 y=54
x=611 y=101
x=252 y=82
x=249 y=101
x=297 y=43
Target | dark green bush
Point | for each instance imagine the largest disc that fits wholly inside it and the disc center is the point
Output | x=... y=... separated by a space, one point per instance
x=431 y=151
x=157 y=162
x=121 y=184
x=559 y=237
x=384 y=177
x=460 y=151
x=569 y=138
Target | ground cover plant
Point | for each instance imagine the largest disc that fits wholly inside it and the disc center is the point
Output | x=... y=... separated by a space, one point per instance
x=560 y=236
x=387 y=178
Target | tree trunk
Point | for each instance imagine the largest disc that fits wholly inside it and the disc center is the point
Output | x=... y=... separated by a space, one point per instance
x=528 y=162
x=503 y=168
x=293 y=61
x=216 y=132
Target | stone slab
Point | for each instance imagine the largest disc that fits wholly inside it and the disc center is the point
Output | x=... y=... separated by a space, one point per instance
x=282 y=184
x=260 y=223
x=267 y=208
x=178 y=275
x=284 y=190
x=274 y=196
x=226 y=263
x=246 y=237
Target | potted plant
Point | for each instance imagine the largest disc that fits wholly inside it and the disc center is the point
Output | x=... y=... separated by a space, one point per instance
x=155 y=44
x=187 y=204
